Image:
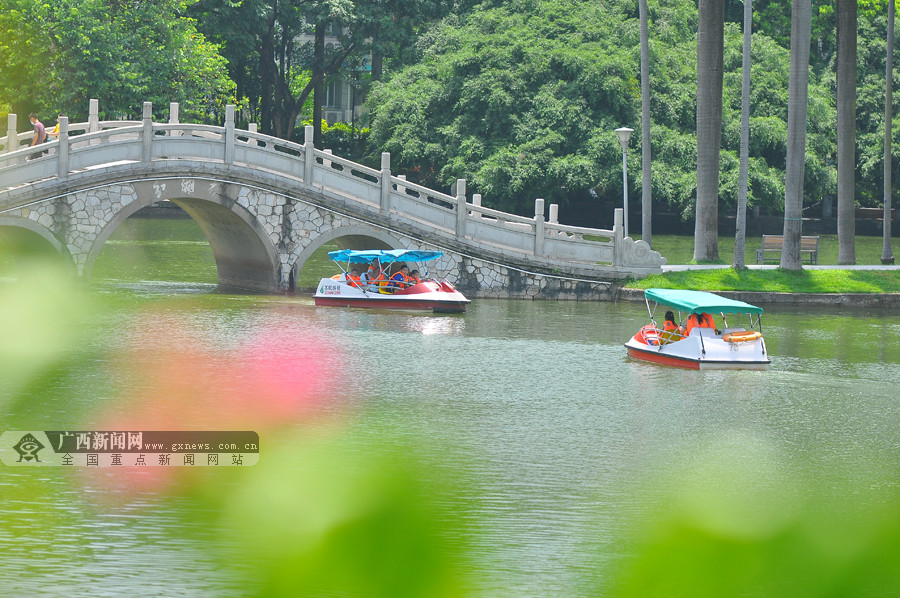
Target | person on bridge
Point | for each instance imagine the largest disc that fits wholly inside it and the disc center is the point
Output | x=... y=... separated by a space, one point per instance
x=703 y=320
x=54 y=132
x=40 y=134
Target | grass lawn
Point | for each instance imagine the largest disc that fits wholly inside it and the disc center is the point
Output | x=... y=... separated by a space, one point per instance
x=776 y=281
x=680 y=249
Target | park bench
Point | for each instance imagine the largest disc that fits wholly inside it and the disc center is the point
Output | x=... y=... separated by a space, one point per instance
x=774 y=244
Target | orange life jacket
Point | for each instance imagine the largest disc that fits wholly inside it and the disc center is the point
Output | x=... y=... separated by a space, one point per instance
x=399 y=280
x=701 y=320
x=353 y=281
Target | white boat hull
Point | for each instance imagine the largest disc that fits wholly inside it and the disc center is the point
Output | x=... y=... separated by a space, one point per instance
x=439 y=297
x=702 y=350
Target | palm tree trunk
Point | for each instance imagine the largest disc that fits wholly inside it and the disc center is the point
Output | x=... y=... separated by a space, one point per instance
x=743 y=174
x=798 y=87
x=846 y=130
x=710 y=50
x=646 y=181
x=887 y=254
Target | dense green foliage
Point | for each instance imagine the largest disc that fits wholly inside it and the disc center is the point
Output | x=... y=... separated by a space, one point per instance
x=57 y=54
x=521 y=98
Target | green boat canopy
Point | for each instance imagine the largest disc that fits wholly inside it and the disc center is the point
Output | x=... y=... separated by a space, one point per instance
x=699 y=302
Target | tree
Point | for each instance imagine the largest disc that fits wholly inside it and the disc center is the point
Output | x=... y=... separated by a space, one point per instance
x=741 y=219
x=710 y=50
x=646 y=174
x=887 y=255
x=846 y=130
x=56 y=57
x=796 y=134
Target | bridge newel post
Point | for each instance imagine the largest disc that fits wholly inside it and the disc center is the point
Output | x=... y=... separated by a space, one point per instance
x=386 y=182
x=173 y=118
x=539 y=227
x=147 y=152
x=309 y=154
x=476 y=201
x=229 y=133
x=12 y=135
x=618 y=237
x=94 y=116
x=461 y=210
x=554 y=213
x=62 y=156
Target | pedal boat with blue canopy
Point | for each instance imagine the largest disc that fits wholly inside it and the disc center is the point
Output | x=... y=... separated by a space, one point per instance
x=734 y=347
x=381 y=292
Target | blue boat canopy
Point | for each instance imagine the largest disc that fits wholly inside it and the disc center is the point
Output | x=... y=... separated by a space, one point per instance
x=700 y=302
x=385 y=256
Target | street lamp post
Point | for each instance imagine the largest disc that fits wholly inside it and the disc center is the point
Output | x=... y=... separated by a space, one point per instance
x=624 y=134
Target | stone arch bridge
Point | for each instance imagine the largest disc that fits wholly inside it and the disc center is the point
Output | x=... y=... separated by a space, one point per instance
x=266 y=205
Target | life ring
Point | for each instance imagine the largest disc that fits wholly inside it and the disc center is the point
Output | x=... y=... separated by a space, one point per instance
x=649 y=335
x=741 y=336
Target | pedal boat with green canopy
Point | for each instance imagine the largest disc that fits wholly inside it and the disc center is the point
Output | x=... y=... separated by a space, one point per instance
x=380 y=292
x=732 y=347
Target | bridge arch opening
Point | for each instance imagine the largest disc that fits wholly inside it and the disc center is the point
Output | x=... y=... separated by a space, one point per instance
x=244 y=256
x=26 y=248
x=313 y=260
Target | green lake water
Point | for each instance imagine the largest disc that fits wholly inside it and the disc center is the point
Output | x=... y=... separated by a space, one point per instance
x=537 y=447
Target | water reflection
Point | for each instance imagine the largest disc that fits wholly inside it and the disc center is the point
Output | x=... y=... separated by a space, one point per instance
x=560 y=438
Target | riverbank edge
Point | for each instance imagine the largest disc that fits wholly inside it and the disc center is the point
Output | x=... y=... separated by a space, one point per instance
x=862 y=300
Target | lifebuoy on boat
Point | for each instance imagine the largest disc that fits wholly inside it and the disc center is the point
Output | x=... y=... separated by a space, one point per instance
x=649 y=335
x=741 y=336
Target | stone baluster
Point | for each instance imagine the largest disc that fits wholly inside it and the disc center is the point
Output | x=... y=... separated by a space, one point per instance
x=618 y=237
x=401 y=189
x=173 y=119
x=461 y=209
x=539 y=227
x=308 y=154
x=229 y=133
x=94 y=116
x=386 y=182
x=253 y=128
x=476 y=201
x=147 y=150
x=12 y=135
x=326 y=162
x=62 y=156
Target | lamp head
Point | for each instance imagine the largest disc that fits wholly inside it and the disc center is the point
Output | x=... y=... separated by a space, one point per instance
x=624 y=134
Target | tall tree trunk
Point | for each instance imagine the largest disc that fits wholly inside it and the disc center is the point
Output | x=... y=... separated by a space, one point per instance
x=318 y=75
x=887 y=254
x=267 y=75
x=646 y=181
x=710 y=49
x=846 y=130
x=798 y=88
x=740 y=231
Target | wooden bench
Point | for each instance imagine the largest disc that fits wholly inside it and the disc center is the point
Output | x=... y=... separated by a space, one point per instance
x=774 y=244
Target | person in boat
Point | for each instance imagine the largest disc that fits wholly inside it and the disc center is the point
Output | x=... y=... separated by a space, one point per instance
x=353 y=278
x=702 y=320
x=672 y=332
x=400 y=279
x=373 y=276
x=414 y=278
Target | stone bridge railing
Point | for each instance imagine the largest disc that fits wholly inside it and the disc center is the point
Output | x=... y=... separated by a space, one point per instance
x=85 y=147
